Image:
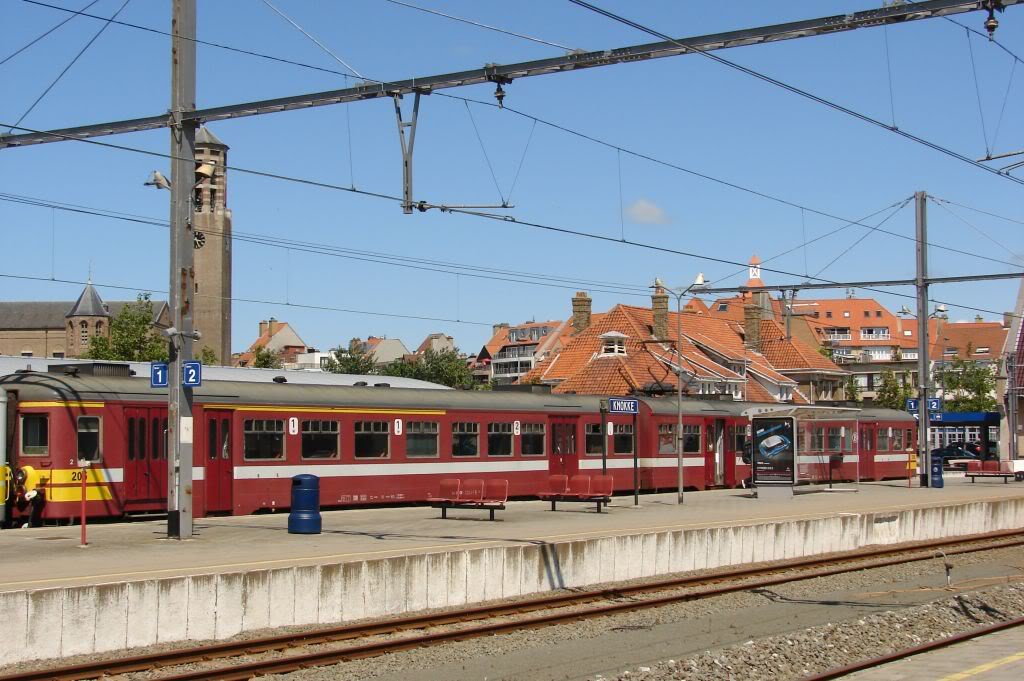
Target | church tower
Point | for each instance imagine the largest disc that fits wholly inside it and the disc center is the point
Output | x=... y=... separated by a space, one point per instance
x=88 y=317
x=212 y=228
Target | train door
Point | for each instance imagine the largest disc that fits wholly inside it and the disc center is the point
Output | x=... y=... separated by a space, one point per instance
x=144 y=469
x=714 y=454
x=218 y=474
x=563 y=458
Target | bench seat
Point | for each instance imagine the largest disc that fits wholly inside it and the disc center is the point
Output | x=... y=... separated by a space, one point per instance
x=488 y=495
x=580 y=488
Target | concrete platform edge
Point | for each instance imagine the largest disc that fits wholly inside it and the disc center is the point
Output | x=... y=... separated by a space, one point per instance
x=61 y=622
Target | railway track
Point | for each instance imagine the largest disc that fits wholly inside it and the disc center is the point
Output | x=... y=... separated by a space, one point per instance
x=601 y=602
x=839 y=672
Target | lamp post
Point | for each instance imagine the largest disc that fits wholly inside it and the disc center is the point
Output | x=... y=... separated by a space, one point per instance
x=698 y=282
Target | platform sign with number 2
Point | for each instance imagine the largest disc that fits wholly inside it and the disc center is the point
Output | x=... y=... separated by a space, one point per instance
x=192 y=374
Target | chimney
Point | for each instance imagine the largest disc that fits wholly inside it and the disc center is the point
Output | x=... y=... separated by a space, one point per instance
x=752 y=326
x=1007 y=319
x=580 y=311
x=272 y=326
x=659 y=306
x=495 y=328
x=764 y=301
x=263 y=327
x=978 y=318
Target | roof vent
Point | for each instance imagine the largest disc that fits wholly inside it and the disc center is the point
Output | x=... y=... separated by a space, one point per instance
x=280 y=379
x=91 y=369
x=381 y=385
x=360 y=384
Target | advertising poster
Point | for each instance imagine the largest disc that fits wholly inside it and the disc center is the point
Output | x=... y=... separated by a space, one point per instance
x=774 y=451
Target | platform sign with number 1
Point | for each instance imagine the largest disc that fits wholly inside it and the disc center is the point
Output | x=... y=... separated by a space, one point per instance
x=192 y=374
x=158 y=375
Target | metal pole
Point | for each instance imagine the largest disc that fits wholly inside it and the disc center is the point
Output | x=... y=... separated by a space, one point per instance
x=182 y=279
x=679 y=392
x=636 y=465
x=922 y=336
x=604 y=437
x=1012 y=404
x=84 y=471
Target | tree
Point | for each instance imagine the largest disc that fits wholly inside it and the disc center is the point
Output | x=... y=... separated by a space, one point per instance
x=967 y=385
x=892 y=393
x=851 y=390
x=207 y=356
x=355 y=360
x=132 y=337
x=265 y=358
x=444 y=367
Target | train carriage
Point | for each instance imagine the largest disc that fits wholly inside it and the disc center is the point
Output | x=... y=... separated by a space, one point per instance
x=376 y=444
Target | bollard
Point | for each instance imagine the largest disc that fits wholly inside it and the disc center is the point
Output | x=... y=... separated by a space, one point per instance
x=304 y=517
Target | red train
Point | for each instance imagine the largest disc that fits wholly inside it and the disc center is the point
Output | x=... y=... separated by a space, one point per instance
x=381 y=444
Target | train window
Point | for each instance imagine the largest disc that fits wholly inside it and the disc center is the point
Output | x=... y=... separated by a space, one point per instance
x=817 y=439
x=739 y=438
x=35 y=435
x=319 y=439
x=593 y=435
x=421 y=439
x=225 y=437
x=264 y=438
x=131 y=439
x=372 y=439
x=867 y=440
x=622 y=438
x=883 y=439
x=499 y=439
x=211 y=439
x=465 y=439
x=532 y=439
x=142 y=439
x=848 y=440
x=897 y=439
x=835 y=439
x=666 y=438
x=691 y=438
x=89 y=438
x=910 y=439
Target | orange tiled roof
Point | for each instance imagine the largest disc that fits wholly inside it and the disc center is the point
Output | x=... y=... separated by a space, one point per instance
x=991 y=335
x=792 y=353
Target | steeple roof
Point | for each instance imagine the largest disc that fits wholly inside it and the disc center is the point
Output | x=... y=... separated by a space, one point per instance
x=207 y=139
x=89 y=304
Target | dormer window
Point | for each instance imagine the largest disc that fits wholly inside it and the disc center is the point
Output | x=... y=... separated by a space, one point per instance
x=723 y=307
x=613 y=343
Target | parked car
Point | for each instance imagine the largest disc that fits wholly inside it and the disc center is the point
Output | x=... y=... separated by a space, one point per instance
x=969 y=451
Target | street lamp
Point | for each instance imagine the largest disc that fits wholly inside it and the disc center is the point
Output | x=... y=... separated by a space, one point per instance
x=698 y=282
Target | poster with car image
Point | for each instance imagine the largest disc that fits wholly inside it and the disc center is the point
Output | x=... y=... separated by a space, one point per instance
x=774 y=451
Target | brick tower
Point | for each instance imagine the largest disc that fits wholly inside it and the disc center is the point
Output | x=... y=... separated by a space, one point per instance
x=212 y=226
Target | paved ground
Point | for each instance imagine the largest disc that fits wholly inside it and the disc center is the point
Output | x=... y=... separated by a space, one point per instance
x=46 y=557
x=998 y=657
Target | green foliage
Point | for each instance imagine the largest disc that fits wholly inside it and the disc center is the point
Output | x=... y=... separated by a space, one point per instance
x=444 y=367
x=207 y=356
x=851 y=390
x=264 y=358
x=132 y=337
x=827 y=352
x=352 y=361
x=967 y=386
x=893 y=393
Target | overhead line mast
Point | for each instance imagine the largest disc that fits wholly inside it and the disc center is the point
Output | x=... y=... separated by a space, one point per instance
x=504 y=74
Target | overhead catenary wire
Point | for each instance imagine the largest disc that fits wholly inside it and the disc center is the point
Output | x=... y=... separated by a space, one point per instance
x=943 y=205
x=239 y=299
x=409 y=262
x=479 y=24
x=977 y=92
x=976 y=210
x=801 y=92
x=327 y=185
x=487 y=159
x=864 y=236
x=313 y=38
x=506 y=108
x=42 y=35
x=67 y=68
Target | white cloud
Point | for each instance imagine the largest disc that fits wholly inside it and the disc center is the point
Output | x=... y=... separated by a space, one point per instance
x=646 y=212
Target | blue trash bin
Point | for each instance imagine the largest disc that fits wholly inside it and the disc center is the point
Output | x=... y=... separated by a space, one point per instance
x=305 y=514
x=936 y=472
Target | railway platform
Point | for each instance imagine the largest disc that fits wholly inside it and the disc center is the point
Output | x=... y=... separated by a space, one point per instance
x=132 y=587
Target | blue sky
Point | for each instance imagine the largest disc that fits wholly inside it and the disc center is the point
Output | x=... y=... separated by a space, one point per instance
x=687 y=111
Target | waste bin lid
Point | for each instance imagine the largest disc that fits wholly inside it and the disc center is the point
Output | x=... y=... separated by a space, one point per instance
x=305 y=479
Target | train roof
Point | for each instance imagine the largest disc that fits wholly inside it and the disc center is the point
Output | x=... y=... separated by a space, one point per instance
x=667 y=405
x=10 y=365
x=53 y=386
